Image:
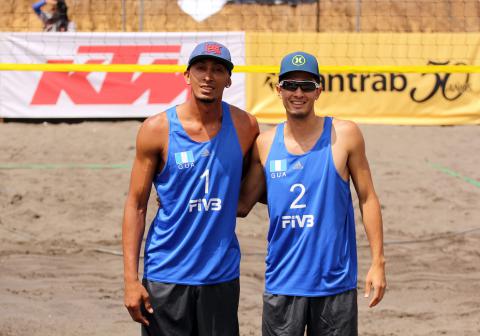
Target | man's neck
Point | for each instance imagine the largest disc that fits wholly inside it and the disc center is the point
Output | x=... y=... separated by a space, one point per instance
x=204 y=112
x=303 y=128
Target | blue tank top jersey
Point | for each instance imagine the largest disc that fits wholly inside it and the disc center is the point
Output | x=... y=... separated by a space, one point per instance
x=192 y=238
x=312 y=244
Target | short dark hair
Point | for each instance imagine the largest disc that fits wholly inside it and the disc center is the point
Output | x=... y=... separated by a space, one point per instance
x=60 y=16
x=61 y=7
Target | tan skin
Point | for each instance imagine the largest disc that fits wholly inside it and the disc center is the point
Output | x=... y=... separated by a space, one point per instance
x=302 y=130
x=201 y=117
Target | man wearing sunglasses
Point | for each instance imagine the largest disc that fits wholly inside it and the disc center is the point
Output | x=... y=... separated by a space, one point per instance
x=305 y=166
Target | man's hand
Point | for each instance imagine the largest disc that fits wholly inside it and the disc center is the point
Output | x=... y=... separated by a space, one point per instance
x=135 y=296
x=376 y=279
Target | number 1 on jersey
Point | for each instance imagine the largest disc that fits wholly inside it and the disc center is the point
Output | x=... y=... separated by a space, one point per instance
x=205 y=204
x=206 y=174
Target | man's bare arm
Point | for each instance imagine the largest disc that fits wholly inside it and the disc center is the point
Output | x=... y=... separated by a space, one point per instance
x=253 y=186
x=371 y=214
x=144 y=167
x=247 y=129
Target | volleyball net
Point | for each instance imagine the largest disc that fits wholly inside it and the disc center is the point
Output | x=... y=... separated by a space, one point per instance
x=297 y=19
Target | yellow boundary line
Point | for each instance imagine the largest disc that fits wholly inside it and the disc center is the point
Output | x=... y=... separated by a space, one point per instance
x=239 y=68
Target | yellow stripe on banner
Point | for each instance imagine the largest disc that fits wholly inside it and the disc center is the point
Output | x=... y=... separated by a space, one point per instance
x=167 y=68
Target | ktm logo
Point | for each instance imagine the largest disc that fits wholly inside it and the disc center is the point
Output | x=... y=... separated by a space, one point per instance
x=116 y=88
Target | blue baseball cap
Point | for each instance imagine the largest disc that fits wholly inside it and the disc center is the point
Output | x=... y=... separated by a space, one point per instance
x=211 y=50
x=299 y=61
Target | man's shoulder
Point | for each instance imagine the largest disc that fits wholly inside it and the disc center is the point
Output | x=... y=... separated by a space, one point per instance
x=268 y=134
x=153 y=133
x=265 y=139
x=156 y=123
x=244 y=121
x=345 y=127
x=348 y=133
x=238 y=113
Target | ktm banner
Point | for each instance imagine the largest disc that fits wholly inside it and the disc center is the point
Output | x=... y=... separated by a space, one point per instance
x=27 y=94
x=381 y=98
x=384 y=98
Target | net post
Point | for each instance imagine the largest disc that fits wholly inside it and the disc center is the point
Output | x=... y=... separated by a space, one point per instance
x=317 y=28
x=358 y=15
x=140 y=16
x=124 y=15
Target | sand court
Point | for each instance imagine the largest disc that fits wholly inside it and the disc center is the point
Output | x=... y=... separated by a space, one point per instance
x=62 y=190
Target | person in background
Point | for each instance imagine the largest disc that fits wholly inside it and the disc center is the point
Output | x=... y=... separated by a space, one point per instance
x=56 y=19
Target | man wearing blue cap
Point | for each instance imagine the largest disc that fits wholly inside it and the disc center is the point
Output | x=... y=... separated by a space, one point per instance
x=193 y=154
x=305 y=166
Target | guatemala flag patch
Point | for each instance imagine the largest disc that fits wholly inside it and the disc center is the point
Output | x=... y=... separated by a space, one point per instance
x=184 y=157
x=278 y=166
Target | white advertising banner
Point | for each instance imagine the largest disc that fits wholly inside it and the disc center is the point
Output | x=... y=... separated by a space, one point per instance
x=36 y=94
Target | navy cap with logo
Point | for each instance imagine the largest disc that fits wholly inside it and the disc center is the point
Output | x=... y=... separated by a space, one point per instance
x=299 y=61
x=211 y=50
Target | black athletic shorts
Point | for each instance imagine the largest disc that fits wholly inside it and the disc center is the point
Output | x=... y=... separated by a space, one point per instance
x=326 y=315
x=182 y=310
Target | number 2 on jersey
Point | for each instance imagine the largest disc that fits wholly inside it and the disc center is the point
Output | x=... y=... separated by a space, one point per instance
x=295 y=204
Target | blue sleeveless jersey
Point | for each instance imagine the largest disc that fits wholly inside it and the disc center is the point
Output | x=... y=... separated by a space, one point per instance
x=192 y=238
x=312 y=244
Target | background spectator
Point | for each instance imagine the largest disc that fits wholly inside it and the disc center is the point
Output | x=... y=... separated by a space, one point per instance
x=56 y=19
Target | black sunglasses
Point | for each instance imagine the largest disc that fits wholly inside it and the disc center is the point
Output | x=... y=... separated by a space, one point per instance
x=292 y=85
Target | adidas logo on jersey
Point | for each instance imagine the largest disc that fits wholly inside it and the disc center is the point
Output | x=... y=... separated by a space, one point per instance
x=205 y=153
x=297 y=166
